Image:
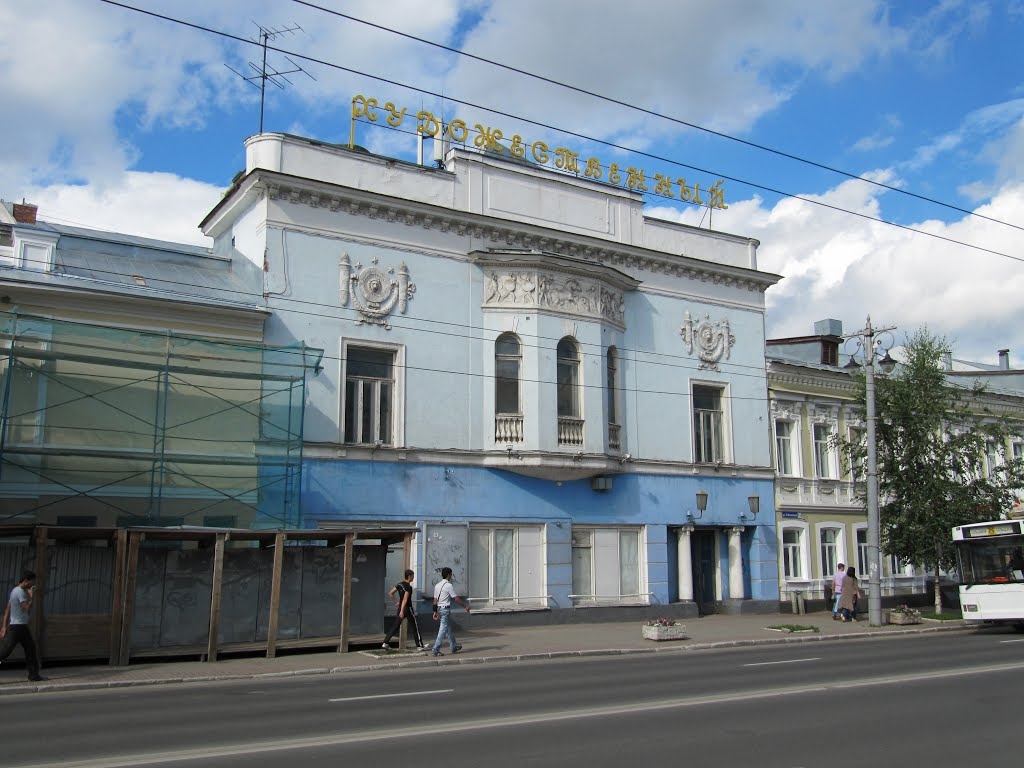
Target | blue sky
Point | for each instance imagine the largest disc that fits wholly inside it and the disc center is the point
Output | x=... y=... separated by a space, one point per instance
x=119 y=120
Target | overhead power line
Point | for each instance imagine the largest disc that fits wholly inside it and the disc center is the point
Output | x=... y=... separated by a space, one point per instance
x=575 y=134
x=653 y=113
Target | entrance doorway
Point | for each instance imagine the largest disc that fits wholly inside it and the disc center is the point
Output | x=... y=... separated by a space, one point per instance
x=705 y=570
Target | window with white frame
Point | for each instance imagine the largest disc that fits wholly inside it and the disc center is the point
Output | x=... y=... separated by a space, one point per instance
x=829 y=542
x=612 y=391
x=792 y=553
x=992 y=457
x=784 y=444
x=823 y=451
x=1017 y=449
x=862 y=551
x=370 y=395
x=856 y=457
x=508 y=415
x=708 y=424
x=568 y=377
x=606 y=565
x=508 y=357
x=505 y=565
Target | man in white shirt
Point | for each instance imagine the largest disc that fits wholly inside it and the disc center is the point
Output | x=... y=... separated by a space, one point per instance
x=14 y=630
x=444 y=595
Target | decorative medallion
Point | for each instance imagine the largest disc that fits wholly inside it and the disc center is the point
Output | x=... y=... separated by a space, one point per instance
x=713 y=340
x=374 y=292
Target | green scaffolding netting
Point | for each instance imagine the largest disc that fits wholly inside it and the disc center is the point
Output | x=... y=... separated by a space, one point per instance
x=107 y=426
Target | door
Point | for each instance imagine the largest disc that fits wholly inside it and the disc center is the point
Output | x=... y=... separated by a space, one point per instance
x=704 y=571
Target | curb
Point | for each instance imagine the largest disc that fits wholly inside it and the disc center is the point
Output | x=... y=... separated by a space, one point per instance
x=61 y=687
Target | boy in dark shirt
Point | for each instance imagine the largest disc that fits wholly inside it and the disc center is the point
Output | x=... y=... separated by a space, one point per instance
x=401 y=593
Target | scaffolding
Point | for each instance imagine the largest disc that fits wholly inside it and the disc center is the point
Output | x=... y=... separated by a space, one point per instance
x=105 y=426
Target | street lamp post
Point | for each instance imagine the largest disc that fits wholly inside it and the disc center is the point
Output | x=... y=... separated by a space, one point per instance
x=866 y=339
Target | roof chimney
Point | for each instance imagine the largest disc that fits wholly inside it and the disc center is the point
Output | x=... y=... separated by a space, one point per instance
x=25 y=213
x=1004 y=359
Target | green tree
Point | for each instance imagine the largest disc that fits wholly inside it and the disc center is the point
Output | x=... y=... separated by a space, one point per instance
x=932 y=436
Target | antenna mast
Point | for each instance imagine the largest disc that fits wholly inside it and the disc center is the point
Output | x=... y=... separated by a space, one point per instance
x=271 y=75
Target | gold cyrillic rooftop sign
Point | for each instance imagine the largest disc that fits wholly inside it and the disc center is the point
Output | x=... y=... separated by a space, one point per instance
x=560 y=158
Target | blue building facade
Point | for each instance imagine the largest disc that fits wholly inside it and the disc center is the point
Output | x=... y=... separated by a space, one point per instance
x=568 y=398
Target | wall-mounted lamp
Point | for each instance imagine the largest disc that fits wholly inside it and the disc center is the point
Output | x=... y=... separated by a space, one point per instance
x=625 y=457
x=754 y=502
x=702 y=504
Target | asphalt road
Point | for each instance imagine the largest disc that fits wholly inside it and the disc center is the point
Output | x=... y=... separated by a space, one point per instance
x=938 y=698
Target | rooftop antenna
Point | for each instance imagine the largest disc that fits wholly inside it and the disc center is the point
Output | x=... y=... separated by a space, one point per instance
x=263 y=74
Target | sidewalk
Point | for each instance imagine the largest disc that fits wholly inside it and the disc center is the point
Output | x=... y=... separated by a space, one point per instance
x=480 y=646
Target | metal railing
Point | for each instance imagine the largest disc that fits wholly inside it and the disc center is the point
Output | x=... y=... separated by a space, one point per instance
x=614 y=431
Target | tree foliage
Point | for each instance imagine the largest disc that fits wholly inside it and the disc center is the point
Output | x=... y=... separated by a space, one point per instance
x=932 y=437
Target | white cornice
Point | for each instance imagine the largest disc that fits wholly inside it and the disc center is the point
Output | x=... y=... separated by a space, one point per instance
x=502 y=233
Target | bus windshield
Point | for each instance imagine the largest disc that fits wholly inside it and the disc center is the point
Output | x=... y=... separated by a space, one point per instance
x=996 y=560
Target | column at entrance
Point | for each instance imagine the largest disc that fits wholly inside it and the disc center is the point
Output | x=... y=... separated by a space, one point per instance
x=683 y=558
x=735 y=564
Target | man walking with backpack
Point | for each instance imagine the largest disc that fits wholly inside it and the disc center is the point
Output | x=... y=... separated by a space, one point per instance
x=15 y=631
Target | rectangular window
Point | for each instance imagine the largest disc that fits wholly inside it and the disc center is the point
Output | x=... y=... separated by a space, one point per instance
x=784 y=447
x=791 y=557
x=829 y=551
x=504 y=565
x=606 y=565
x=582 y=563
x=629 y=564
x=369 y=393
x=862 y=551
x=857 y=438
x=822 y=451
x=708 y=420
x=992 y=459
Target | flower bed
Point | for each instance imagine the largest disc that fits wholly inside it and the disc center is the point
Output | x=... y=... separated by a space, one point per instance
x=663 y=630
x=904 y=614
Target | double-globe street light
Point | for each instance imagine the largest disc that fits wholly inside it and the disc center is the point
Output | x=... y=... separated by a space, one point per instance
x=869 y=345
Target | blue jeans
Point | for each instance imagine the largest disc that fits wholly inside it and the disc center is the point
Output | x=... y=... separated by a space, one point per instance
x=445 y=630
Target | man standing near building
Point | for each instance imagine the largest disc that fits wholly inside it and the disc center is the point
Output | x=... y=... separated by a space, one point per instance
x=15 y=631
x=444 y=594
x=401 y=593
x=837 y=589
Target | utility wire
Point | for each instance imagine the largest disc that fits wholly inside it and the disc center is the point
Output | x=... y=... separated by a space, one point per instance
x=566 y=132
x=653 y=113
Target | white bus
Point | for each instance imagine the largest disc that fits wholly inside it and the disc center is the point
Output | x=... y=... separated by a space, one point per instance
x=990 y=559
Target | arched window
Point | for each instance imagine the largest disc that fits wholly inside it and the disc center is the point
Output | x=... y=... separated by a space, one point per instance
x=508 y=358
x=508 y=415
x=568 y=374
x=612 y=390
x=570 y=412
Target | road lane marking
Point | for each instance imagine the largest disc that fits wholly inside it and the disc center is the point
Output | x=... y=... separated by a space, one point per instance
x=786 y=661
x=1012 y=641
x=392 y=695
x=213 y=751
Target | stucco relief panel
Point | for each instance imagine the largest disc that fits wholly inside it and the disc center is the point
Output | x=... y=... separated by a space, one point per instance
x=566 y=294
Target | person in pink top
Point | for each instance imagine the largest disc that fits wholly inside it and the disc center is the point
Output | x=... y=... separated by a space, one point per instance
x=837 y=589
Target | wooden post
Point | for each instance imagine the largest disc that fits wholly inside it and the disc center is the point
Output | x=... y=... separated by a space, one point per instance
x=403 y=633
x=275 y=595
x=117 y=594
x=125 y=646
x=215 y=589
x=346 y=593
x=39 y=595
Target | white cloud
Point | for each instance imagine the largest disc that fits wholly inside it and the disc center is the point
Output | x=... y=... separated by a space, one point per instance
x=157 y=205
x=840 y=266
